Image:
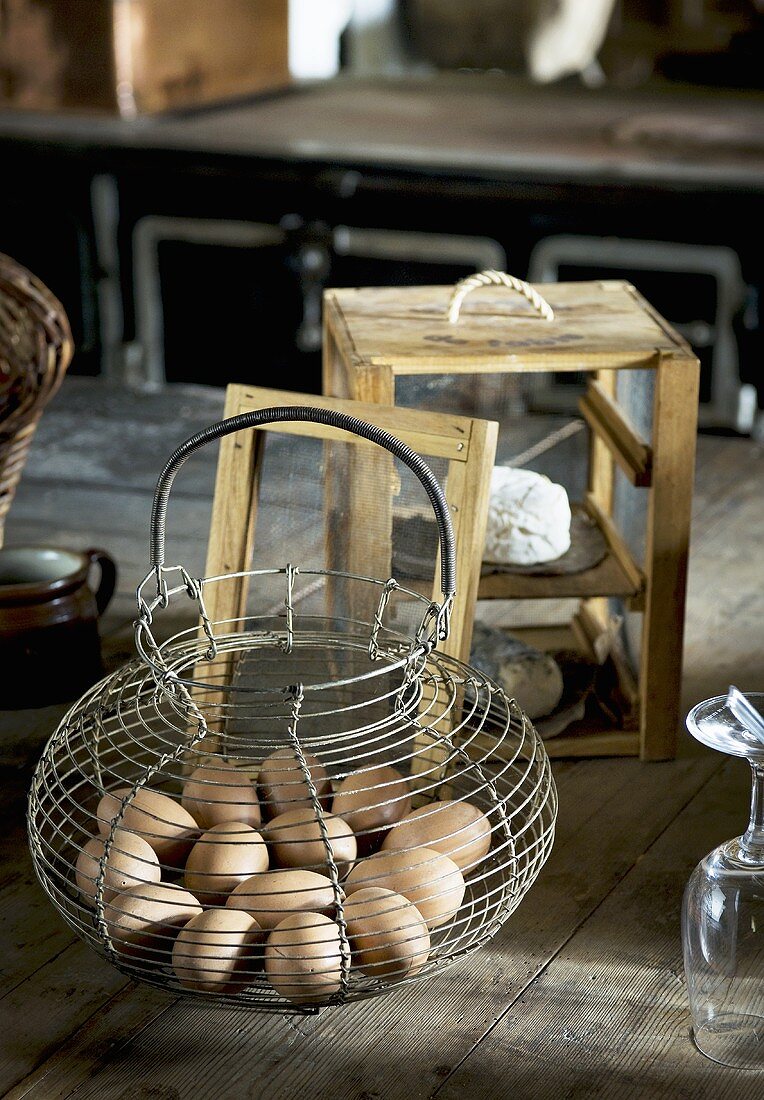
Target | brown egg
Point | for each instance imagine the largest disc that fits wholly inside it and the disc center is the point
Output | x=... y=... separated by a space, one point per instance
x=223 y=857
x=431 y=881
x=371 y=800
x=131 y=861
x=303 y=959
x=457 y=829
x=159 y=819
x=144 y=920
x=217 y=951
x=221 y=793
x=270 y=896
x=283 y=784
x=388 y=935
x=295 y=841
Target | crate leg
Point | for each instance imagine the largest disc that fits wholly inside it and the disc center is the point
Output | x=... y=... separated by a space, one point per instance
x=372 y=385
x=229 y=551
x=675 y=414
x=601 y=485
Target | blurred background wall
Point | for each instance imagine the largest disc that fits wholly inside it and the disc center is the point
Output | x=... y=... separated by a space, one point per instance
x=267 y=149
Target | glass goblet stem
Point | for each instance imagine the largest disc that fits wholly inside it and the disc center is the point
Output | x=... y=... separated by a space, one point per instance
x=752 y=840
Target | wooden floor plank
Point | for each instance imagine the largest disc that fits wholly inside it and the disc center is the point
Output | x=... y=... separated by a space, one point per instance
x=608 y=1018
x=31 y=940
x=41 y=960
x=113 y=1024
x=38 y=1015
x=724 y=627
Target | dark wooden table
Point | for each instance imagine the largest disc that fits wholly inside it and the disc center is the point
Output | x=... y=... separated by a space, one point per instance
x=464 y=124
x=581 y=995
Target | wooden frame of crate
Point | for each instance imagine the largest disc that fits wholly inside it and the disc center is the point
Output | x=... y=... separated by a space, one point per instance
x=468 y=444
x=372 y=336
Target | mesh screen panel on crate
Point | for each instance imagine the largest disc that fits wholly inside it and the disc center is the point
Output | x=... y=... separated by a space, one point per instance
x=302 y=808
x=304 y=504
x=553 y=444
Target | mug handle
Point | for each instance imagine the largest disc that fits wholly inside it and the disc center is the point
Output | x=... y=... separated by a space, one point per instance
x=108 y=581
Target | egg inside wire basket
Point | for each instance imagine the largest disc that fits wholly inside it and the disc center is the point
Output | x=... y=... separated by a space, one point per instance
x=295 y=860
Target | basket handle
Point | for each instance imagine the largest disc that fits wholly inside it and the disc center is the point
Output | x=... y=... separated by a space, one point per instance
x=334 y=419
x=496 y=278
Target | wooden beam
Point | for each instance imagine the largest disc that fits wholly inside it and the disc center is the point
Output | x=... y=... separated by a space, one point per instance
x=620 y=551
x=467 y=490
x=601 y=477
x=436 y=435
x=607 y=743
x=666 y=553
x=605 y=418
x=607 y=578
x=232 y=532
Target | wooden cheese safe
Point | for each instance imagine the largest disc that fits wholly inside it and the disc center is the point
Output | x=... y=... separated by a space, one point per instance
x=639 y=403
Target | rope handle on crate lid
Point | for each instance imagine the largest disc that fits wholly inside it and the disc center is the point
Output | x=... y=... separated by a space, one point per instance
x=496 y=278
x=334 y=419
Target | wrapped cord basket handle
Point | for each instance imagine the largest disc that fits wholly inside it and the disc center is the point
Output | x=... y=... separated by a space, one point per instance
x=496 y=278
x=335 y=419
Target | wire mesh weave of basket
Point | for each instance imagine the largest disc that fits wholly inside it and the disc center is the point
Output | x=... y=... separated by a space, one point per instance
x=35 y=350
x=295 y=810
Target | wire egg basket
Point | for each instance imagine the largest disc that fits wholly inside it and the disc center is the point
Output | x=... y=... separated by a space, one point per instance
x=293 y=810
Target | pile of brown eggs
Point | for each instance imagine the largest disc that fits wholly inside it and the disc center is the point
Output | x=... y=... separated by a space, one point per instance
x=233 y=879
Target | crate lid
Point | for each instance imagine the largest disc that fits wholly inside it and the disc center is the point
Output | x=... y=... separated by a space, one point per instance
x=596 y=325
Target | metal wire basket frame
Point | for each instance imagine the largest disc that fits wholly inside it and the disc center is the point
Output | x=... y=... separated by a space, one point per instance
x=345 y=697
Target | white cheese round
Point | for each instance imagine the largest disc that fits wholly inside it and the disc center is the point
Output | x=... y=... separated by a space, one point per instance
x=528 y=518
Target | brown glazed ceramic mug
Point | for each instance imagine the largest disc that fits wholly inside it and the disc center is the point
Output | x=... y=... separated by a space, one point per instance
x=49 y=644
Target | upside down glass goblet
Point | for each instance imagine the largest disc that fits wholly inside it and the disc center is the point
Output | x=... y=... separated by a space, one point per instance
x=723 y=911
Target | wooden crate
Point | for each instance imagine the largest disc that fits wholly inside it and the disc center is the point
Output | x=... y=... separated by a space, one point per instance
x=374 y=337
x=468 y=446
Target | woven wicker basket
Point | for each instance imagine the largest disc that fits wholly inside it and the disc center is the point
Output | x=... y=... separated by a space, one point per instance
x=35 y=350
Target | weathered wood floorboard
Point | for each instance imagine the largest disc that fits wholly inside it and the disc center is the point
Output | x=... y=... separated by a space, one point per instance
x=112 y=1025
x=608 y=1017
x=38 y=1015
x=31 y=939
x=724 y=631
